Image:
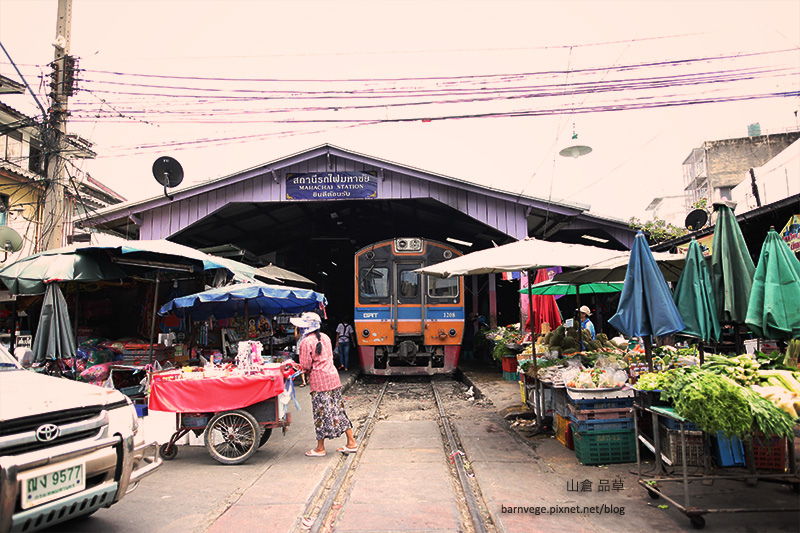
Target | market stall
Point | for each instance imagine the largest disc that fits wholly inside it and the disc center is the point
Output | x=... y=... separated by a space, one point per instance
x=235 y=405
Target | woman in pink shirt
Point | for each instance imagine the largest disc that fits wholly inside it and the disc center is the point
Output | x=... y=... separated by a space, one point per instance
x=316 y=358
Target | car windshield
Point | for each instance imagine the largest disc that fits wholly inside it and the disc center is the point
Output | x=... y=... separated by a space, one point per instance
x=7 y=361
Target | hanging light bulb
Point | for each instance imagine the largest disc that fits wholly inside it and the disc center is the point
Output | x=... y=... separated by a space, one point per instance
x=575 y=149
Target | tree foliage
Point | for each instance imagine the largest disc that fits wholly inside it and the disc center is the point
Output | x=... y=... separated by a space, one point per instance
x=657 y=230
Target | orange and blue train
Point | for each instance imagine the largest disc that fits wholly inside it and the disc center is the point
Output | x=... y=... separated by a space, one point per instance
x=407 y=323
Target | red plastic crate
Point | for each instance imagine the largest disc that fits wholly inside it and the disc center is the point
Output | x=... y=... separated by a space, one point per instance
x=510 y=364
x=769 y=453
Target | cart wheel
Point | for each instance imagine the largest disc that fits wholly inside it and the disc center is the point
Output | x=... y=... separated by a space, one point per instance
x=698 y=522
x=232 y=437
x=653 y=494
x=168 y=451
x=266 y=433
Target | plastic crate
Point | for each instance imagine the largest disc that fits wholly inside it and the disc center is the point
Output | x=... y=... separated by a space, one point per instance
x=674 y=425
x=728 y=452
x=141 y=409
x=560 y=401
x=511 y=376
x=671 y=446
x=599 y=414
x=522 y=391
x=601 y=400
x=605 y=447
x=769 y=453
x=649 y=398
x=510 y=364
x=601 y=425
x=563 y=433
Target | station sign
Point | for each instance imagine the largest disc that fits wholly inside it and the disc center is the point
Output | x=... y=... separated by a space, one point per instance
x=331 y=185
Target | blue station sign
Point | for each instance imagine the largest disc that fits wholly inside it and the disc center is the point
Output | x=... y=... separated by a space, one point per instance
x=331 y=185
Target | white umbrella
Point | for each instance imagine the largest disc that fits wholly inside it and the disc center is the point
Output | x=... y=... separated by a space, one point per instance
x=614 y=269
x=527 y=254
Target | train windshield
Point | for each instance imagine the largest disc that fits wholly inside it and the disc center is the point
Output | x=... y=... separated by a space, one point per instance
x=374 y=282
x=443 y=288
x=409 y=284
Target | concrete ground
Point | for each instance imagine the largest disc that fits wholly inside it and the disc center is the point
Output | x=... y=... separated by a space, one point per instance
x=401 y=486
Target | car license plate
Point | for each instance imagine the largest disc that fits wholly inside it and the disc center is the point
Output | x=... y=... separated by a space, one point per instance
x=53 y=483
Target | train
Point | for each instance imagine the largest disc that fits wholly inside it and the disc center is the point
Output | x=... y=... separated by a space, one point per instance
x=407 y=323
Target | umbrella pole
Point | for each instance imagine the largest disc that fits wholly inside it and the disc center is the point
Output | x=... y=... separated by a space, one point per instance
x=539 y=402
x=155 y=312
x=648 y=352
x=75 y=359
x=701 y=352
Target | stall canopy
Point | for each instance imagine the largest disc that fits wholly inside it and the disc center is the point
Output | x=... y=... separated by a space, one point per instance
x=694 y=297
x=614 y=269
x=245 y=299
x=773 y=311
x=527 y=254
x=281 y=274
x=31 y=274
x=561 y=288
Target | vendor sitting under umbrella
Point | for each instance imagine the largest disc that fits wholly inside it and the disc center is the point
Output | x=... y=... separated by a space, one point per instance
x=586 y=324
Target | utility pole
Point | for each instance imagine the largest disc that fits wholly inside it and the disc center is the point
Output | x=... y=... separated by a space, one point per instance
x=52 y=229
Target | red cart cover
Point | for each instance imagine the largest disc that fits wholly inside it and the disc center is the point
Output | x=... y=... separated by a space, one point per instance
x=214 y=394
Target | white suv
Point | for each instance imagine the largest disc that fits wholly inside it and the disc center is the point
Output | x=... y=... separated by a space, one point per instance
x=66 y=448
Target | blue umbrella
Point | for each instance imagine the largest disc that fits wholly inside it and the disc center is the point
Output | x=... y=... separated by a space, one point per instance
x=645 y=306
x=244 y=299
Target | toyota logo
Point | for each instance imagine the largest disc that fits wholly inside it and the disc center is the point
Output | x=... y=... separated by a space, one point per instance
x=47 y=432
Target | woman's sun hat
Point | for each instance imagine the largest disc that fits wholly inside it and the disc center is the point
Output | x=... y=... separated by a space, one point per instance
x=307 y=321
x=585 y=309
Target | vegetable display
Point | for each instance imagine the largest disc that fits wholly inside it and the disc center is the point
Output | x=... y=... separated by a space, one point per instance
x=718 y=403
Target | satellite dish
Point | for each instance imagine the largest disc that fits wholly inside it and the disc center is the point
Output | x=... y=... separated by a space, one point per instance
x=10 y=240
x=696 y=219
x=168 y=172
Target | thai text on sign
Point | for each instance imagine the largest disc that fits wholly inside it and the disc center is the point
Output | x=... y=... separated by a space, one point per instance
x=331 y=185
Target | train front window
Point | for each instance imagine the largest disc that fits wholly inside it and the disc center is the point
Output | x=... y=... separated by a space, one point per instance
x=374 y=282
x=409 y=284
x=443 y=287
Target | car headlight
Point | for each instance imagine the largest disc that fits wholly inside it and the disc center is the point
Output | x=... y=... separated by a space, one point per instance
x=123 y=420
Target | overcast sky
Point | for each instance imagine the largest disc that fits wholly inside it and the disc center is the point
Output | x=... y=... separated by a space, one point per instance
x=227 y=85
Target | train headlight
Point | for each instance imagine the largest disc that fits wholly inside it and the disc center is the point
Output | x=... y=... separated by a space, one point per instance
x=452 y=332
x=365 y=333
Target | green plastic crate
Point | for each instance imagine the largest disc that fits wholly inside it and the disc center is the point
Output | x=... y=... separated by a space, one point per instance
x=605 y=447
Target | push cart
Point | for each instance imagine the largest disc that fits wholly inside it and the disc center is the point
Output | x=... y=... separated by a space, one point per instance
x=235 y=414
x=654 y=483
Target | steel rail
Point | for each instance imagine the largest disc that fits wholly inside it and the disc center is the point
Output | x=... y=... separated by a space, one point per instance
x=344 y=468
x=458 y=460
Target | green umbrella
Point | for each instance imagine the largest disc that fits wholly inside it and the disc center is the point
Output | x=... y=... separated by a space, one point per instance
x=565 y=288
x=54 y=339
x=31 y=274
x=732 y=268
x=695 y=299
x=774 y=309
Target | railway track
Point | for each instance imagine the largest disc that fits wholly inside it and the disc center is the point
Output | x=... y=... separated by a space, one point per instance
x=401 y=403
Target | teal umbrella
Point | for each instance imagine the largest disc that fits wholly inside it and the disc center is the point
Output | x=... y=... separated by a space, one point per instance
x=694 y=297
x=773 y=311
x=557 y=288
x=645 y=306
x=732 y=268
